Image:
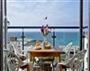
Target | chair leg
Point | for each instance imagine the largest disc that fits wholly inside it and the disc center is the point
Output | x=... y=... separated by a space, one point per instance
x=65 y=69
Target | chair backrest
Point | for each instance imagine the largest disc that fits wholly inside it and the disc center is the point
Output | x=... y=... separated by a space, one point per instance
x=67 y=50
x=15 y=46
x=13 y=61
x=68 y=47
x=77 y=59
x=10 y=48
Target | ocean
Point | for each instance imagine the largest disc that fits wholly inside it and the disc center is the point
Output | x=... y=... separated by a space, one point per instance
x=62 y=38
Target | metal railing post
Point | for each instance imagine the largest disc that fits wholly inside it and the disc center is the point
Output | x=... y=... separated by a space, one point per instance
x=81 y=24
x=54 y=36
x=22 y=38
x=1 y=35
x=89 y=39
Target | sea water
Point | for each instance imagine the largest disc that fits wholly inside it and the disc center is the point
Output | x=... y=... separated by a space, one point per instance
x=62 y=38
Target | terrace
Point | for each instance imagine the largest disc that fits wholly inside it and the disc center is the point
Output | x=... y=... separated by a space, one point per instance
x=70 y=48
x=63 y=48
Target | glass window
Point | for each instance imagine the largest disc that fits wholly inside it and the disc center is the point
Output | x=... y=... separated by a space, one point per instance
x=33 y=12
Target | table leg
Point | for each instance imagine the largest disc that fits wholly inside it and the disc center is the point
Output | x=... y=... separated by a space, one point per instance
x=28 y=67
x=60 y=68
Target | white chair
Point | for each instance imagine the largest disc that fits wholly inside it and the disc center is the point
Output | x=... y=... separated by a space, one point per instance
x=14 y=60
x=74 y=63
x=67 y=50
x=10 y=60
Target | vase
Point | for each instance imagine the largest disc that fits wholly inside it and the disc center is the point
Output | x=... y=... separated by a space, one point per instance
x=44 y=40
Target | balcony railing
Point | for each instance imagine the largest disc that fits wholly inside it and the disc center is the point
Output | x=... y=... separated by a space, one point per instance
x=50 y=27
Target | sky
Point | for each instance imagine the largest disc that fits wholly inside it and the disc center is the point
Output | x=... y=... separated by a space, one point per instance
x=33 y=12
